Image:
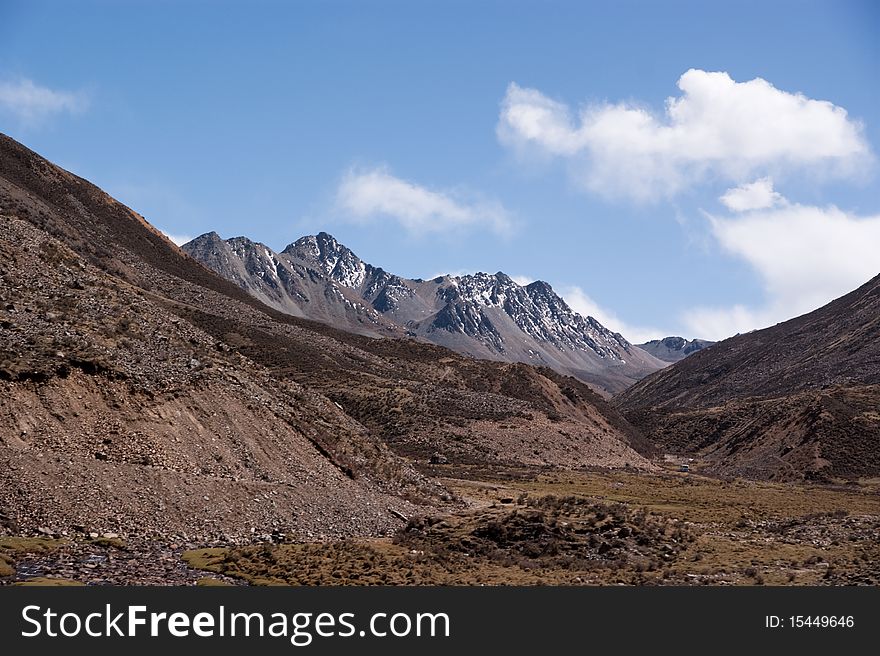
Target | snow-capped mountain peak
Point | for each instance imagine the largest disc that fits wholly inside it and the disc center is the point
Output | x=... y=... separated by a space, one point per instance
x=323 y=252
x=482 y=314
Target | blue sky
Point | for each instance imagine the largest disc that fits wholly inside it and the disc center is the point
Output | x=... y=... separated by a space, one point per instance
x=534 y=138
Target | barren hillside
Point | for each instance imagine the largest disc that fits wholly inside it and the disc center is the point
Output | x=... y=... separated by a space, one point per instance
x=798 y=399
x=142 y=393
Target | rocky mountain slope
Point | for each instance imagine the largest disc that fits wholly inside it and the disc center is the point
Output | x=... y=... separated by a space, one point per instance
x=801 y=398
x=118 y=416
x=297 y=286
x=673 y=349
x=482 y=315
x=142 y=394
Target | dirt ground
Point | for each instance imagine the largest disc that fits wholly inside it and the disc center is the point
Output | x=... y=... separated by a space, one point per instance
x=600 y=528
x=528 y=527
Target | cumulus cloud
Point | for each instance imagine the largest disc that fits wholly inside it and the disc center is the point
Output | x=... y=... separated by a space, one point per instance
x=376 y=194
x=805 y=257
x=31 y=103
x=717 y=323
x=180 y=240
x=757 y=195
x=522 y=281
x=581 y=303
x=717 y=126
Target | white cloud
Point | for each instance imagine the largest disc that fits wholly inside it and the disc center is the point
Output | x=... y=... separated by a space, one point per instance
x=717 y=126
x=805 y=257
x=717 y=323
x=373 y=194
x=32 y=103
x=522 y=281
x=757 y=195
x=581 y=303
x=180 y=240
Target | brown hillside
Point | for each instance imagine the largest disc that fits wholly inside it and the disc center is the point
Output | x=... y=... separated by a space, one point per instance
x=798 y=399
x=116 y=344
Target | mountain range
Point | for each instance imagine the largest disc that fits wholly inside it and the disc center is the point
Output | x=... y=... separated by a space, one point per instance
x=673 y=349
x=144 y=395
x=143 y=392
x=481 y=315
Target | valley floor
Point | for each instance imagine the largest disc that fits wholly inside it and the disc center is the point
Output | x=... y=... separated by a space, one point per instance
x=526 y=527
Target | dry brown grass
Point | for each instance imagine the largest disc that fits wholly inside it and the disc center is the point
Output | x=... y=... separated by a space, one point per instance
x=677 y=530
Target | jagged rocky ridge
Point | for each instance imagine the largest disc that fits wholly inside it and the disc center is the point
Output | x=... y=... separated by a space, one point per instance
x=673 y=349
x=483 y=315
